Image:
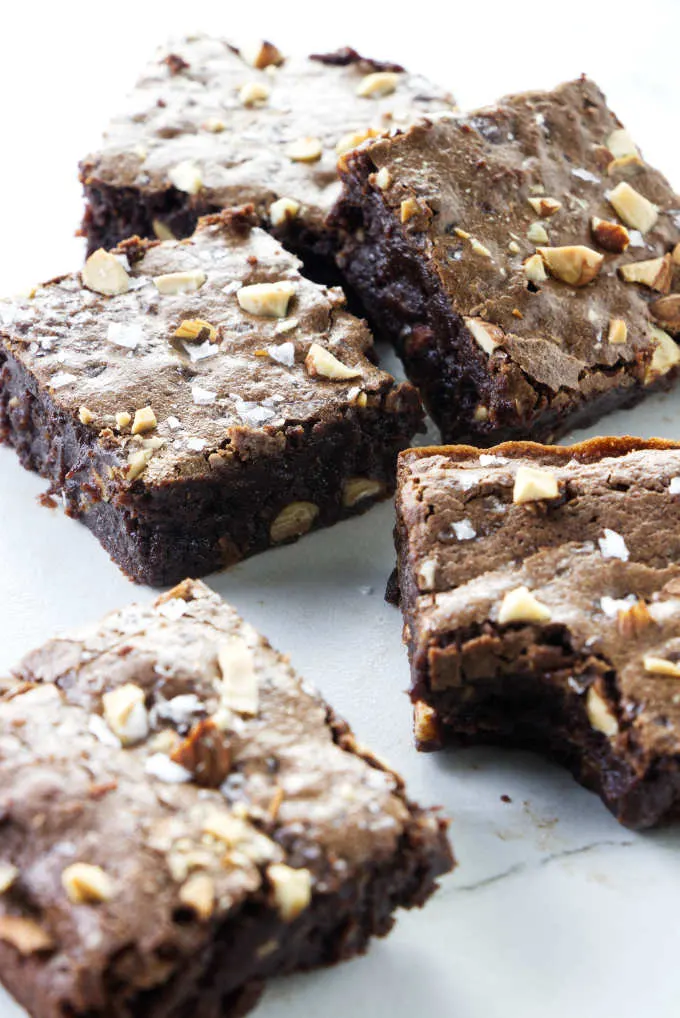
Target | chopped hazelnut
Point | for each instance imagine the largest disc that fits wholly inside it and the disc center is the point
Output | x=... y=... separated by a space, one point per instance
x=261 y=54
x=24 y=934
x=633 y=208
x=293 y=521
x=292 y=889
x=306 y=150
x=125 y=713
x=538 y=234
x=198 y=894
x=576 y=265
x=321 y=363
x=666 y=310
x=352 y=140
x=378 y=84
x=138 y=461
x=186 y=176
x=479 y=248
x=85 y=416
x=620 y=144
x=520 y=605
x=634 y=620
x=145 y=420
x=86 y=885
x=267 y=300
x=513 y=247
x=426 y=574
x=239 y=689
x=600 y=714
x=666 y=354
x=534 y=269
x=180 y=282
x=611 y=236
x=356 y=489
x=161 y=231
x=104 y=274
x=624 y=164
x=675 y=257
x=533 y=484
x=283 y=210
x=383 y=178
x=408 y=209
x=425 y=723
x=618 y=331
x=656 y=273
x=215 y=126
x=8 y=876
x=463 y=234
x=545 y=207
x=661 y=666
x=196 y=328
x=253 y=93
x=486 y=335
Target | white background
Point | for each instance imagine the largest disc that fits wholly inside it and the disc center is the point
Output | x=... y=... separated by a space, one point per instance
x=555 y=910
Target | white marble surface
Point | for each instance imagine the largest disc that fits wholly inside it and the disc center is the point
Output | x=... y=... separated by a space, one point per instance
x=555 y=910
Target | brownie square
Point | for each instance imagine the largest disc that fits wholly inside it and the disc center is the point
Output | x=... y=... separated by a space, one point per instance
x=541 y=596
x=210 y=126
x=524 y=259
x=183 y=818
x=195 y=402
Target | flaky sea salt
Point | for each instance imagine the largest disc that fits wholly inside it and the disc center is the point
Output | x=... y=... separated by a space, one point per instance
x=282 y=353
x=611 y=606
x=180 y=709
x=160 y=766
x=583 y=174
x=101 y=731
x=201 y=396
x=201 y=351
x=674 y=486
x=172 y=609
x=62 y=379
x=127 y=336
x=196 y=444
x=612 y=545
x=464 y=530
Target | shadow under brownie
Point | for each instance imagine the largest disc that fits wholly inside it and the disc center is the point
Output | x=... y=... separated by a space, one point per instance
x=540 y=588
x=524 y=260
x=196 y=402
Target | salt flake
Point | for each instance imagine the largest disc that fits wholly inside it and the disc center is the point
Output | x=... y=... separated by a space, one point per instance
x=612 y=545
x=160 y=766
x=128 y=336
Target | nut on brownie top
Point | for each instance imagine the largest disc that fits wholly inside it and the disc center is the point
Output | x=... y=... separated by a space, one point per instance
x=550 y=234
x=253 y=125
x=171 y=352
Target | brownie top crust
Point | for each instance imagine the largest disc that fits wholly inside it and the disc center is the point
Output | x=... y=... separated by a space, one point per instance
x=217 y=341
x=590 y=532
x=252 y=125
x=176 y=764
x=545 y=231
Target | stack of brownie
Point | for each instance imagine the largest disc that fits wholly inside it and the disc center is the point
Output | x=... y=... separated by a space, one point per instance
x=198 y=393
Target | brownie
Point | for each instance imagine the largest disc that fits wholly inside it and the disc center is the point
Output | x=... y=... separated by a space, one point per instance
x=524 y=259
x=183 y=818
x=210 y=126
x=541 y=595
x=195 y=402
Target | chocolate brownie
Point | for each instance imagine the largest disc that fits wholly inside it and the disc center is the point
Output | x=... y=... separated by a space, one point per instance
x=183 y=818
x=210 y=126
x=195 y=402
x=524 y=259
x=541 y=597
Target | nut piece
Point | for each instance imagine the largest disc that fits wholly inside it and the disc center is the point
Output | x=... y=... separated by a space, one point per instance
x=576 y=265
x=8 y=875
x=408 y=209
x=125 y=713
x=666 y=354
x=611 y=236
x=145 y=420
x=186 y=176
x=538 y=234
x=215 y=126
x=86 y=885
x=633 y=621
x=138 y=461
x=24 y=934
x=282 y=210
x=261 y=54
x=486 y=335
x=635 y=210
x=205 y=753
x=533 y=484
x=624 y=164
x=239 y=688
x=600 y=714
x=383 y=179
x=545 y=206
x=180 y=282
x=306 y=150
x=534 y=269
x=666 y=310
x=293 y=521
x=480 y=248
x=661 y=666
x=252 y=93
x=123 y=419
x=321 y=363
x=425 y=724
x=196 y=329
x=675 y=256
x=103 y=273
x=292 y=889
x=161 y=231
x=621 y=144
x=356 y=489
x=378 y=84
x=198 y=894
x=656 y=273
x=267 y=300
x=618 y=331
x=520 y=605
x=85 y=416
x=353 y=139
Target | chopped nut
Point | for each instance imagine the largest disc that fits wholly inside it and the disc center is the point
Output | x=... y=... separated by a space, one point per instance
x=103 y=273
x=513 y=247
x=283 y=210
x=180 y=282
x=481 y=413
x=8 y=876
x=383 y=178
x=620 y=144
x=138 y=461
x=353 y=139
x=378 y=84
x=24 y=934
x=656 y=273
x=634 y=620
x=661 y=666
x=225 y=827
x=198 y=894
x=576 y=265
x=538 y=234
x=292 y=889
x=486 y=335
x=666 y=354
x=534 y=269
x=675 y=257
x=666 y=310
x=408 y=209
x=161 y=231
x=533 y=484
x=479 y=248
x=425 y=723
x=205 y=753
x=306 y=150
x=321 y=363
x=239 y=689
x=545 y=206
x=85 y=416
x=426 y=574
x=520 y=605
x=463 y=234
x=145 y=420
x=267 y=300
x=624 y=164
x=618 y=331
x=293 y=521
x=186 y=176
x=356 y=489
x=125 y=713
x=633 y=208
x=196 y=329
x=86 y=885
x=215 y=126
x=600 y=715
x=252 y=93
x=611 y=236
x=261 y=54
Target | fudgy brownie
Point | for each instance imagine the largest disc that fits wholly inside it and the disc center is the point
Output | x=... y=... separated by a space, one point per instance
x=183 y=817
x=524 y=259
x=210 y=126
x=195 y=402
x=541 y=595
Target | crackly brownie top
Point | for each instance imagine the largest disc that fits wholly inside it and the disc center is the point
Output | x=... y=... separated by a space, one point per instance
x=591 y=532
x=205 y=120
x=219 y=335
x=546 y=229
x=181 y=759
